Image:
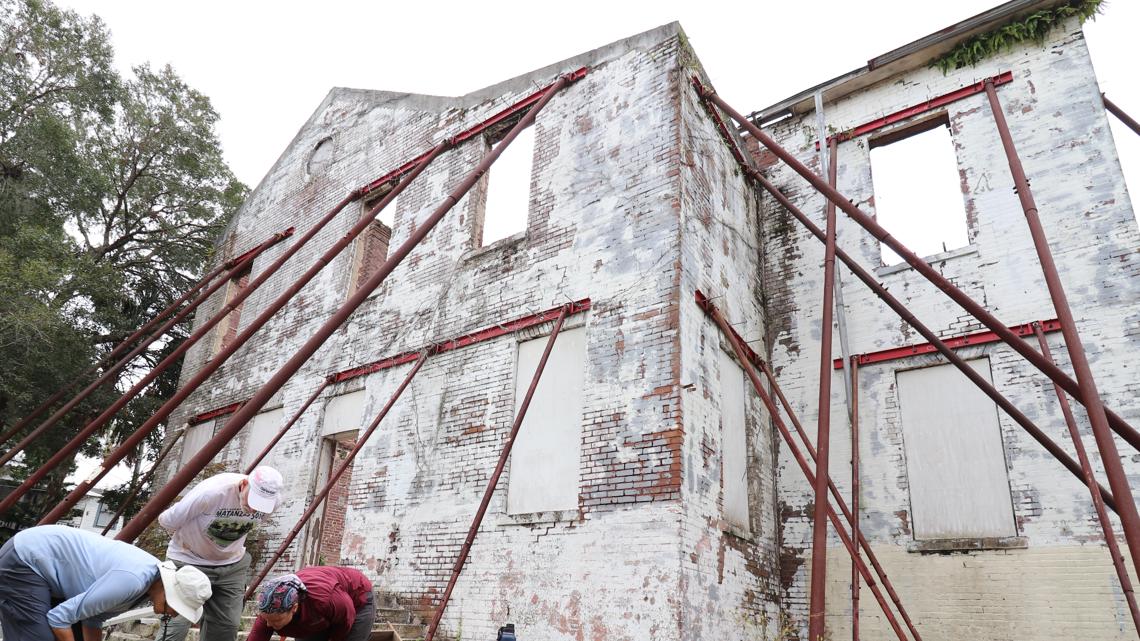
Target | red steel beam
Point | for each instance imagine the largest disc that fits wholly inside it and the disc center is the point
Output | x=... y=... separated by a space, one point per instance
x=503 y=116
x=1090 y=480
x=921 y=108
x=979 y=338
x=817 y=608
x=234 y=266
x=130 y=497
x=1119 y=113
x=504 y=454
x=184 y=476
x=750 y=369
x=458 y=342
x=285 y=428
x=855 y=494
x=1118 y=424
x=1087 y=388
x=254 y=326
x=320 y=496
x=899 y=308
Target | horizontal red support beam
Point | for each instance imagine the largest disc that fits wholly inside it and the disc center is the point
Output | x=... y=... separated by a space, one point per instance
x=212 y=414
x=980 y=338
x=514 y=110
x=494 y=331
x=486 y=334
x=921 y=108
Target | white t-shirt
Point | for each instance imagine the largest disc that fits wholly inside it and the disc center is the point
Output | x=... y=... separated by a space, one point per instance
x=208 y=526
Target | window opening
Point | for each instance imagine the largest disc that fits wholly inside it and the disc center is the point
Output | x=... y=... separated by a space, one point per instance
x=508 y=190
x=734 y=443
x=918 y=194
x=229 y=327
x=195 y=439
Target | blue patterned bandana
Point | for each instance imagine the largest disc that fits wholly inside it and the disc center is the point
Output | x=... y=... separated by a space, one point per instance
x=280 y=594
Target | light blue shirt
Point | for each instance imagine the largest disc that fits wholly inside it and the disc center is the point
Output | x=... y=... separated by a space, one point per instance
x=97 y=577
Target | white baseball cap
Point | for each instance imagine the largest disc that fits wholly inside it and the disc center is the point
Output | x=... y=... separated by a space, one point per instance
x=264 y=487
x=187 y=588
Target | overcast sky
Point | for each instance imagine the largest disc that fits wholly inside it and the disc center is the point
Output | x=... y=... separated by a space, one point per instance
x=267 y=65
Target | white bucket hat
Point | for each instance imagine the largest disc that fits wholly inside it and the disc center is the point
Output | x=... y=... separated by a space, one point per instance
x=187 y=588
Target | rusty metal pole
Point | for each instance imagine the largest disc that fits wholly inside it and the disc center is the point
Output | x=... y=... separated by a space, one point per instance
x=817 y=609
x=125 y=360
x=854 y=365
x=319 y=497
x=848 y=514
x=1119 y=113
x=1087 y=392
x=281 y=433
x=114 y=353
x=1126 y=431
x=1090 y=478
x=899 y=308
x=238 y=420
x=504 y=454
x=169 y=447
x=228 y=350
x=774 y=413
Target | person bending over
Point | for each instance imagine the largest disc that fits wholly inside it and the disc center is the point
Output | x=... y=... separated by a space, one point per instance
x=318 y=603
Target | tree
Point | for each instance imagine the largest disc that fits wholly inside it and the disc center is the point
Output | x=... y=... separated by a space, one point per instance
x=112 y=190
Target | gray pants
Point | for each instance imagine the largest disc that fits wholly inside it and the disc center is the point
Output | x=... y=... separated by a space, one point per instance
x=222 y=612
x=25 y=599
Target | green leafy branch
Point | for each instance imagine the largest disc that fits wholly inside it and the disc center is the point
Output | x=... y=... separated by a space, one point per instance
x=1033 y=27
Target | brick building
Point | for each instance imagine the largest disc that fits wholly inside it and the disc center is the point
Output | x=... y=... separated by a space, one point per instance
x=647 y=495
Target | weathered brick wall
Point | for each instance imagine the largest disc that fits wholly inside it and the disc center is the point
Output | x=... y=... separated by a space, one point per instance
x=605 y=223
x=729 y=577
x=1062 y=586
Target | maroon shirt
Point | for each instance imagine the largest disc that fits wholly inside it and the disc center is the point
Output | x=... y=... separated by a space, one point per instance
x=332 y=595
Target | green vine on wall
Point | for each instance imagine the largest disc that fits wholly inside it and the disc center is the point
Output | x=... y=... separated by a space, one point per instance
x=1033 y=27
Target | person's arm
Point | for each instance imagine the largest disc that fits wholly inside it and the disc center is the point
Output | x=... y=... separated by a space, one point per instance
x=112 y=589
x=342 y=613
x=202 y=499
x=260 y=631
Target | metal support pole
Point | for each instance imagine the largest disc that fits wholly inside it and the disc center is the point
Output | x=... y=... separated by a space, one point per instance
x=1087 y=392
x=828 y=162
x=114 y=353
x=849 y=514
x=238 y=420
x=319 y=497
x=899 y=308
x=256 y=324
x=817 y=609
x=1071 y=386
x=773 y=411
x=1090 y=480
x=166 y=450
x=110 y=373
x=504 y=454
x=1119 y=113
x=854 y=518
x=281 y=433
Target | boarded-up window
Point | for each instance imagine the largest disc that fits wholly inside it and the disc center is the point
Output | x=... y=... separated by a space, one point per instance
x=262 y=430
x=508 y=190
x=344 y=413
x=918 y=197
x=195 y=439
x=229 y=326
x=955 y=462
x=544 y=461
x=734 y=443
